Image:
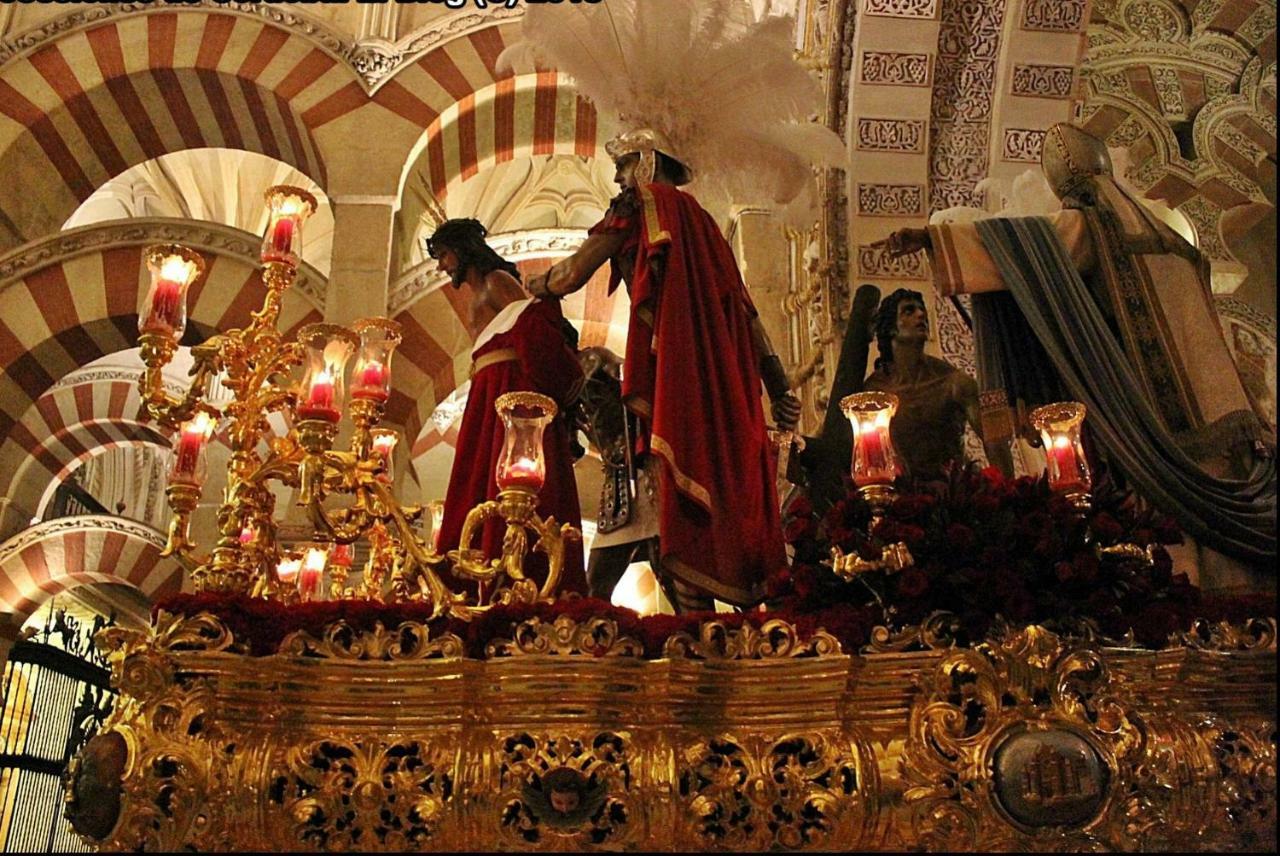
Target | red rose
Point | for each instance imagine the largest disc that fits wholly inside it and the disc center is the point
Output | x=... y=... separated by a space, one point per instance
x=1106 y=527
x=1085 y=567
x=959 y=537
x=911 y=506
x=912 y=583
x=985 y=504
x=1064 y=571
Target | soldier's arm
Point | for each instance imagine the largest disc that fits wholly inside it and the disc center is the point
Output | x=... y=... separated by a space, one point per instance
x=568 y=275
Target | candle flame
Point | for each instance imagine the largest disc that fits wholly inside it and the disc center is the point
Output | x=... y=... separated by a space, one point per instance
x=201 y=425
x=1061 y=442
x=385 y=444
x=288 y=569
x=315 y=560
x=176 y=269
x=291 y=206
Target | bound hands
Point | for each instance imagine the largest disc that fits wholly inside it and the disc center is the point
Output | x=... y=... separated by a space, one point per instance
x=786 y=411
x=904 y=242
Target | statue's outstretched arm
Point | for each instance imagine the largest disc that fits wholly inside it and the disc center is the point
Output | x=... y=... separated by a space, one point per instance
x=568 y=275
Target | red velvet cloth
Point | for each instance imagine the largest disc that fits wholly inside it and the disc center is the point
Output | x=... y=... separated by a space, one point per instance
x=692 y=376
x=545 y=363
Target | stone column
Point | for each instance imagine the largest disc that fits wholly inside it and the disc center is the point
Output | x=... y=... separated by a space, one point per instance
x=361 y=262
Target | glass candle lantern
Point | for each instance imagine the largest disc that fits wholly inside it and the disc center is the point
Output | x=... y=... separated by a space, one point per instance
x=383 y=447
x=342 y=555
x=874 y=460
x=287 y=571
x=173 y=268
x=311 y=576
x=287 y=209
x=371 y=379
x=329 y=348
x=1059 y=426
x=190 y=465
x=522 y=464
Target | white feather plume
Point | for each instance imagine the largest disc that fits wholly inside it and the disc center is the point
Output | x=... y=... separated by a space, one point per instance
x=722 y=87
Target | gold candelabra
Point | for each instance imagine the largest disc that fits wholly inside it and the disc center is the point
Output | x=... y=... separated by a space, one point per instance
x=346 y=493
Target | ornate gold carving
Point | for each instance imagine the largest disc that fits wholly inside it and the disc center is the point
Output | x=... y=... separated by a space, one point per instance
x=566 y=792
x=753 y=793
x=775 y=639
x=409 y=641
x=339 y=794
x=595 y=637
x=1027 y=742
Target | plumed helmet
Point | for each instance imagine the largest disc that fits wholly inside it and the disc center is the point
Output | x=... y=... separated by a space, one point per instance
x=1071 y=157
x=645 y=142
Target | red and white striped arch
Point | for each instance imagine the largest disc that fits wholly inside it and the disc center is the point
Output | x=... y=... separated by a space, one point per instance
x=524 y=116
x=84 y=108
x=57 y=555
x=74 y=299
x=68 y=425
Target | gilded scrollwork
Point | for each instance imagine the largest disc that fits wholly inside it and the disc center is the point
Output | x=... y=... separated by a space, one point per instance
x=1030 y=742
x=557 y=791
x=744 y=739
x=595 y=637
x=345 y=794
x=773 y=640
x=753 y=792
x=409 y=641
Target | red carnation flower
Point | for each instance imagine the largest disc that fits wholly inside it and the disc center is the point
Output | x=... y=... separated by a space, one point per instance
x=801 y=506
x=1106 y=527
x=799 y=528
x=960 y=537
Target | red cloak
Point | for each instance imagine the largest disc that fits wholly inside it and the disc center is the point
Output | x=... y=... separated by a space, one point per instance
x=692 y=375
x=532 y=356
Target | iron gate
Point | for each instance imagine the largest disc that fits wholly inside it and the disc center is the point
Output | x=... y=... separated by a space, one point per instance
x=55 y=698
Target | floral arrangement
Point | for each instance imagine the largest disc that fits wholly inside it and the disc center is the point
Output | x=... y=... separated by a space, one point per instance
x=989 y=549
x=261 y=625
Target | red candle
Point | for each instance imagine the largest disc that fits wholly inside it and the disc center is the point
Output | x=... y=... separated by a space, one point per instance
x=371 y=382
x=282 y=237
x=342 y=554
x=165 y=307
x=248 y=534
x=1065 y=473
x=873 y=469
x=191 y=441
x=522 y=472
x=320 y=399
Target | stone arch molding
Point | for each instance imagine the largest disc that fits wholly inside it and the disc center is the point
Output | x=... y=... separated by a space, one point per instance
x=58 y=555
x=73 y=298
x=372 y=61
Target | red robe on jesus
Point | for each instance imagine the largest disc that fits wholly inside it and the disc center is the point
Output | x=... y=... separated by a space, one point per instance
x=691 y=375
x=522 y=349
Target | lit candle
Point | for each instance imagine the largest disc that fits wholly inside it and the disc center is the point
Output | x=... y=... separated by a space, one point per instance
x=191 y=441
x=282 y=237
x=312 y=573
x=248 y=535
x=371 y=382
x=320 y=397
x=1064 y=472
x=383 y=446
x=165 y=313
x=874 y=467
x=522 y=472
x=287 y=570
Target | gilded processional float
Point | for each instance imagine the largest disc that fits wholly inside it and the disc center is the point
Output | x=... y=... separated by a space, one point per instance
x=297 y=703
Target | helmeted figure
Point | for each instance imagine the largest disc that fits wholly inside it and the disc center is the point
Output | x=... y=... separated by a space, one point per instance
x=697 y=87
